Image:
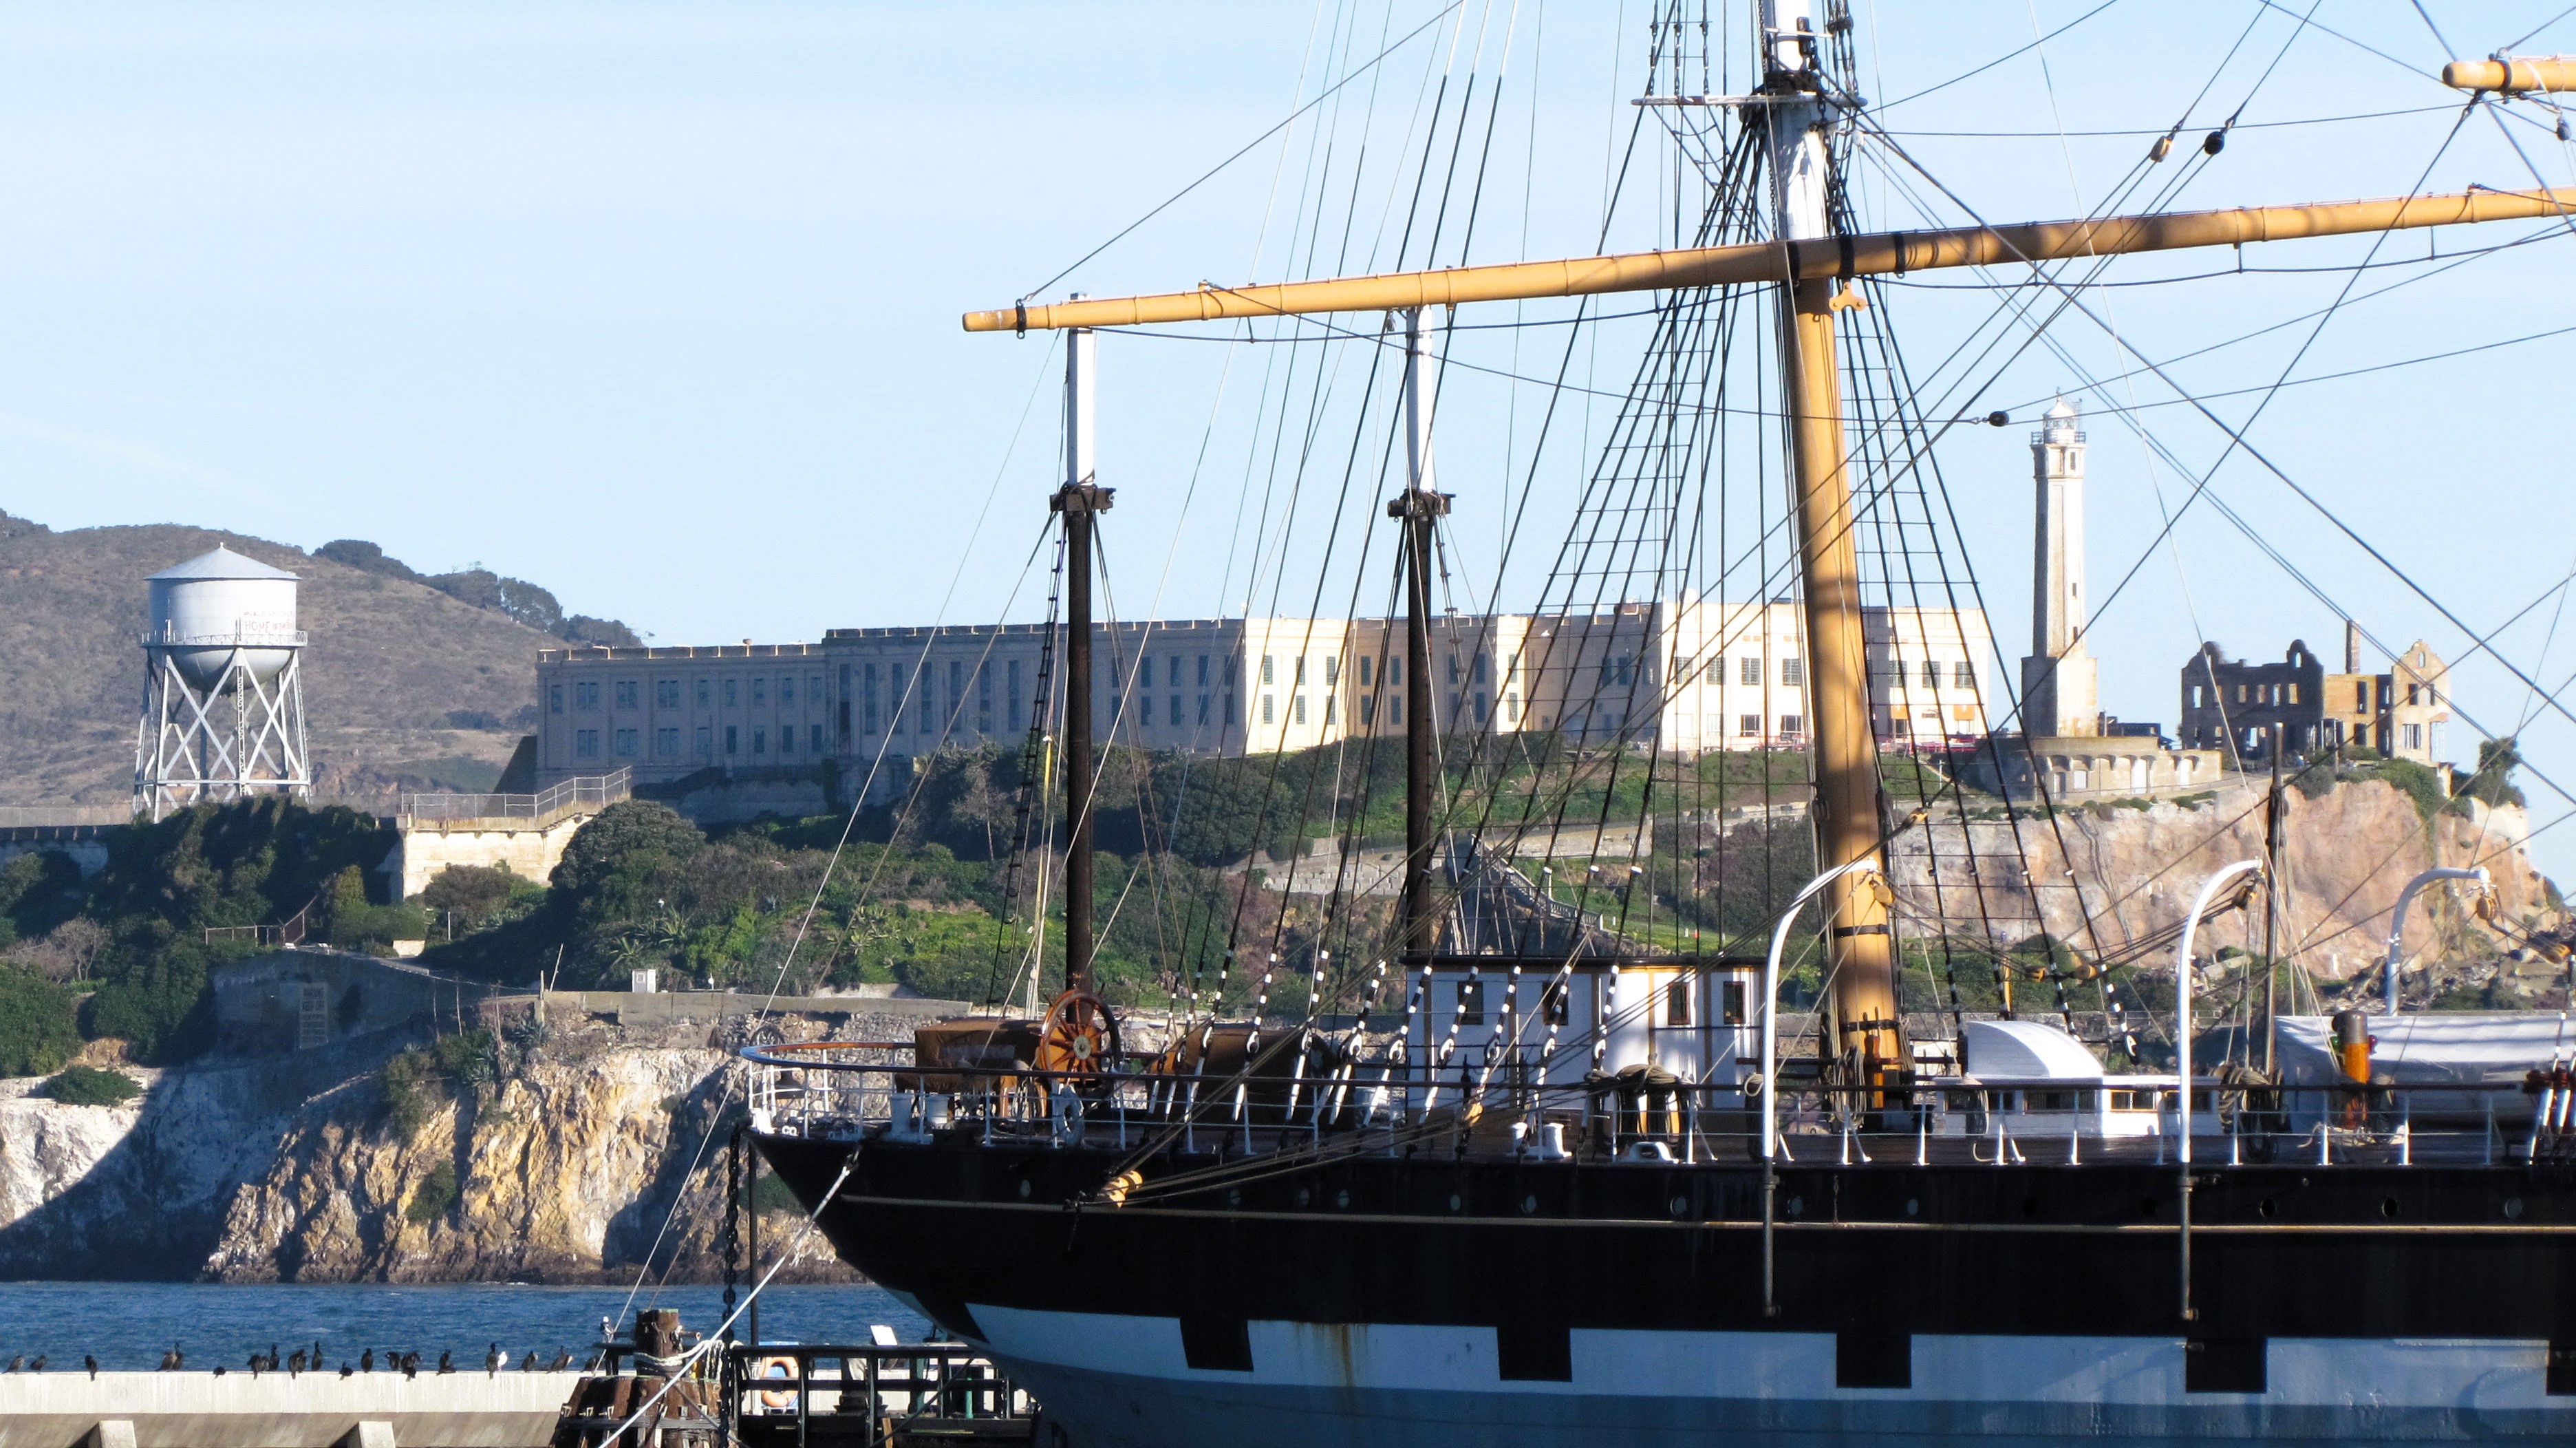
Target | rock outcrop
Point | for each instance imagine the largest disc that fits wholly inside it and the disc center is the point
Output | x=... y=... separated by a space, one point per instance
x=2101 y=876
x=591 y=1157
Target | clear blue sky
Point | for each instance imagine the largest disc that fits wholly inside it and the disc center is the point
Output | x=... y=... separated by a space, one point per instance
x=656 y=303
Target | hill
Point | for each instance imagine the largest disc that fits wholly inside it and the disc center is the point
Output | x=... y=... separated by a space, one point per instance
x=405 y=686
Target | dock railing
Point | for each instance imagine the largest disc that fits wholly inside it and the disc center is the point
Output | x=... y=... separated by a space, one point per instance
x=874 y=1396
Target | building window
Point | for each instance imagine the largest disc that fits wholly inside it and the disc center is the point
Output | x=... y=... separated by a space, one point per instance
x=1364 y=671
x=1368 y=709
x=706 y=694
x=1748 y=726
x=1748 y=671
x=706 y=741
x=787 y=691
x=759 y=740
x=585 y=697
x=1963 y=675
x=1476 y=669
x=666 y=693
x=1471 y=1002
x=1332 y=669
x=1793 y=673
x=786 y=738
x=1395 y=710
x=1265 y=709
x=1229 y=711
x=2414 y=736
x=733 y=739
x=1145 y=671
x=1483 y=706
x=1792 y=725
x=585 y=743
x=1144 y=709
x=1511 y=708
x=2195 y=696
x=1174 y=717
x=1330 y=711
x=814 y=737
x=629 y=694
x=1453 y=669
x=554 y=698
x=733 y=692
x=760 y=689
x=1011 y=685
x=1730 y=997
x=1395 y=673
x=1931 y=673
x=1297 y=667
x=1297 y=707
x=666 y=742
x=813 y=689
x=1266 y=675
x=1677 y=1002
x=626 y=742
x=1203 y=671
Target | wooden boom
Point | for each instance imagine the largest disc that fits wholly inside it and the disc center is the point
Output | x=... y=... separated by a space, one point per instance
x=2512 y=75
x=1830 y=257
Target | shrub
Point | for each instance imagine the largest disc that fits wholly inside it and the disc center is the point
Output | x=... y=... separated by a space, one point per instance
x=89 y=1086
x=435 y=1197
x=38 y=1028
x=477 y=897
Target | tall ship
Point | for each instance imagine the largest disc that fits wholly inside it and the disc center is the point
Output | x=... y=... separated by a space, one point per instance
x=1631 y=1094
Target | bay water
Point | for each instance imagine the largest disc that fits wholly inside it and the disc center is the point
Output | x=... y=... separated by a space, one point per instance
x=129 y=1325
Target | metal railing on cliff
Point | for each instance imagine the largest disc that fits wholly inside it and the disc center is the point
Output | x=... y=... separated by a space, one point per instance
x=586 y=794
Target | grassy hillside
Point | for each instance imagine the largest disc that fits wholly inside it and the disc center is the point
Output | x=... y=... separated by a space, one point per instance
x=405 y=687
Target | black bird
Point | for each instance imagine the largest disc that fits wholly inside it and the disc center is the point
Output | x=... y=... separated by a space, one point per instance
x=274 y=1361
x=446 y=1361
x=257 y=1363
x=347 y=1371
x=219 y=1371
x=411 y=1364
x=16 y=1363
x=90 y=1361
x=173 y=1360
x=531 y=1360
x=38 y=1365
x=367 y=1361
x=492 y=1359
x=563 y=1359
x=295 y=1362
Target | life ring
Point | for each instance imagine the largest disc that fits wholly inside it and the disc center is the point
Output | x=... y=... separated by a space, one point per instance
x=776 y=1367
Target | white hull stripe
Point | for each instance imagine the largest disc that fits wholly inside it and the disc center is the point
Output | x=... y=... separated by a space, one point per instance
x=1794 y=1366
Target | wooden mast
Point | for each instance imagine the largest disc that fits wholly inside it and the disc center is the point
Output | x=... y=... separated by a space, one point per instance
x=1081 y=501
x=1863 y=1036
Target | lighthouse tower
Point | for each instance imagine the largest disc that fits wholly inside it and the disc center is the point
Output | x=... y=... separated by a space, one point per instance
x=2060 y=681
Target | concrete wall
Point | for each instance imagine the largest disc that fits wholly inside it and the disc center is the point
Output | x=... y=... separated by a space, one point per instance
x=259 y=1002
x=630 y=1008
x=199 y=1410
x=424 y=848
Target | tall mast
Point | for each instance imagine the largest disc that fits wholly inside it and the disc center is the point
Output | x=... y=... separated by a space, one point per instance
x=1419 y=507
x=1862 y=1026
x=1080 y=500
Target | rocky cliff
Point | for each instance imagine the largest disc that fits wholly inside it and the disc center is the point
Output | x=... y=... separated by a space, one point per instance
x=2101 y=876
x=590 y=1156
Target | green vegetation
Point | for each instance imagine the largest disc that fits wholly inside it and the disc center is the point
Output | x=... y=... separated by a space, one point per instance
x=483 y=588
x=435 y=1197
x=38 y=1032
x=89 y=1086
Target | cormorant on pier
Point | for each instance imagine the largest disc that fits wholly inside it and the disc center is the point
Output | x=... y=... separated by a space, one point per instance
x=295 y=1363
x=173 y=1360
x=531 y=1360
x=317 y=1359
x=563 y=1359
x=493 y=1357
x=90 y=1361
x=446 y=1361
x=38 y=1365
x=367 y=1361
x=219 y=1371
x=411 y=1364
x=347 y=1371
x=16 y=1363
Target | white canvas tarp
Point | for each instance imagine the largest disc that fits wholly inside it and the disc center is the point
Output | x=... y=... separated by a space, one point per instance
x=2434 y=1048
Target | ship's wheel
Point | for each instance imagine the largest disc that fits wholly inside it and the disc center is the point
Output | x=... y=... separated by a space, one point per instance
x=1079 y=1039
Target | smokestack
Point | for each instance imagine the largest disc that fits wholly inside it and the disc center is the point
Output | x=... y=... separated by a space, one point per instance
x=2351 y=647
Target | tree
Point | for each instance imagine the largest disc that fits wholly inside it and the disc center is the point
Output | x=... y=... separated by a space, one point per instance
x=38 y=1031
x=2492 y=781
x=472 y=895
x=622 y=844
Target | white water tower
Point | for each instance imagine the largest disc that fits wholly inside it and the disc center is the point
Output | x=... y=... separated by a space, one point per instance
x=223 y=688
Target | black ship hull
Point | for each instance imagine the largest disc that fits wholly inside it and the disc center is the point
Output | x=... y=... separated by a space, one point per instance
x=1388 y=1300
